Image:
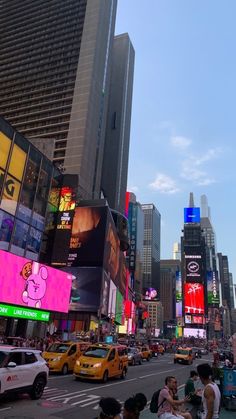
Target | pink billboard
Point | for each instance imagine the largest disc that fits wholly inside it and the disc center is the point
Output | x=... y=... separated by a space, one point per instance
x=27 y=283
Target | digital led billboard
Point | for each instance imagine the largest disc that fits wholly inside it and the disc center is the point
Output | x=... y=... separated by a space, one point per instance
x=112 y=300
x=24 y=313
x=86 y=288
x=193 y=298
x=31 y=284
x=119 y=308
x=197 y=333
x=179 y=309
x=150 y=294
x=178 y=290
x=192 y=215
x=212 y=289
x=193 y=266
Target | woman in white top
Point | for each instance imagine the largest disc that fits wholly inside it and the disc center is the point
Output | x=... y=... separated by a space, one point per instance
x=211 y=394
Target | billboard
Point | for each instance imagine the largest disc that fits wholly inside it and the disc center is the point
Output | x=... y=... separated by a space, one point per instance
x=88 y=236
x=194 y=319
x=178 y=290
x=193 y=267
x=179 y=309
x=192 y=215
x=86 y=288
x=112 y=300
x=31 y=284
x=133 y=236
x=119 y=308
x=193 y=298
x=213 y=297
x=24 y=313
x=197 y=333
x=150 y=294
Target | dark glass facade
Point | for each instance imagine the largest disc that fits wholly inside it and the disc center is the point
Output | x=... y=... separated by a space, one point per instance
x=26 y=190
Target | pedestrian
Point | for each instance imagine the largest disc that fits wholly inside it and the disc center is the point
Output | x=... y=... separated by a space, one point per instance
x=110 y=408
x=190 y=391
x=167 y=405
x=134 y=405
x=211 y=393
x=179 y=409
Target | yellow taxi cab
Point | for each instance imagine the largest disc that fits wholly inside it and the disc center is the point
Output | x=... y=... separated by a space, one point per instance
x=184 y=355
x=102 y=361
x=61 y=356
x=161 y=349
x=145 y=352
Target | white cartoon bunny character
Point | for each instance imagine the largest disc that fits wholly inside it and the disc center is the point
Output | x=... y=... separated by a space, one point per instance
x=35 y=286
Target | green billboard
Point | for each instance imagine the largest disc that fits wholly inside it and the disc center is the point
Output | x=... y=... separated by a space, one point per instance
x=119 y=308
x=24 y=313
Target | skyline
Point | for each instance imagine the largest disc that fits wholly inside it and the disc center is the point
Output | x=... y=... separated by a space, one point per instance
x=182 y=128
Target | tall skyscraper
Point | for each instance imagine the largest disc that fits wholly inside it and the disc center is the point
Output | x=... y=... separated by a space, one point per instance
x=55 y=63
x=116 y=150
x=169 y=267
x=151 y=247
x=224 y=279
x=176 y=251
x=208 y=234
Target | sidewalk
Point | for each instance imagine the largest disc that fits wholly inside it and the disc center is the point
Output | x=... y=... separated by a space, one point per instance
x=224 y=414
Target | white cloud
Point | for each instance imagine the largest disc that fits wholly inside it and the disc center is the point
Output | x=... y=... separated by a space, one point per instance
x=211 y=154
x=206 y=182
x=164 y=184
x=193 y=167
x=133 y=189
x=181 y=143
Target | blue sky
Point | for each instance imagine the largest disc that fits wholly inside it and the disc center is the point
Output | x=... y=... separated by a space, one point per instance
x=184 y=111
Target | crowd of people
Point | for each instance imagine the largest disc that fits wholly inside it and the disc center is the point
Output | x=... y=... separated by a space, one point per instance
x=204 y=403
x=30 y=342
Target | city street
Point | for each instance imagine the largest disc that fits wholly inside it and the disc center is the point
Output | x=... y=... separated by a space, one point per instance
x=64 y=397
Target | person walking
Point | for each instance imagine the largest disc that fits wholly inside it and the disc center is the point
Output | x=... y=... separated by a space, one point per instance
x=167 y=404
x=211 y=393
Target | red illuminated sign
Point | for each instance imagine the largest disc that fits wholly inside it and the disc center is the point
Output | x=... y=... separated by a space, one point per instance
x=194 y=298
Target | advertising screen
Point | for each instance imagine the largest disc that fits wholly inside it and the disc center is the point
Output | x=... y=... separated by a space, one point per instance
x=105 y=294
x=198 y=320
x=150 y=294
x=86 y=288
x=119 y=308
x=179 y=309
x=112 y=300
x=193 y=298
x=197 y=333
x=30 y=284
x=192 y=215
x=24 y=313
x=88 y=236
x=178 y=286
x=212 y=288
x=193 y=266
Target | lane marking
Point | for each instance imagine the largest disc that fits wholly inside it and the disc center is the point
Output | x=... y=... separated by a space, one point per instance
x=157 y=373
x=5 y=408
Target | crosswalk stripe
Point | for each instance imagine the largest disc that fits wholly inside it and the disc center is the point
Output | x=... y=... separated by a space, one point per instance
x=86 y=402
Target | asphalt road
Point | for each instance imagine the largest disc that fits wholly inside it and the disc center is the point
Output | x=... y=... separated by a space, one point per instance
x=66 y=398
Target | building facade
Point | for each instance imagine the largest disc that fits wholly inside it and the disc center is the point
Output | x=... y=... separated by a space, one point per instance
x=27 y=184
x=151 y=247
x=55 y=89
x=117 y=138
x=168 y=270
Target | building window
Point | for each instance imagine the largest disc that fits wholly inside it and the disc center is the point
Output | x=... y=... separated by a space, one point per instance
x=6 y=228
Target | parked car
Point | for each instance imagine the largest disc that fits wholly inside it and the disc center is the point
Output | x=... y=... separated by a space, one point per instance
x=134 y=356
x=22 y=370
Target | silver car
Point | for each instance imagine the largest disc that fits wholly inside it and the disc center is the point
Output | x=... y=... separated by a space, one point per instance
x=134 y=356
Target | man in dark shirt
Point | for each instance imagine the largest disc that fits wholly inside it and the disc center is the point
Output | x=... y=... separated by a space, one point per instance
x=190 y=389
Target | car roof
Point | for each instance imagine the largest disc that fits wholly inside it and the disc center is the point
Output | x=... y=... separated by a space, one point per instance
x=10 y=348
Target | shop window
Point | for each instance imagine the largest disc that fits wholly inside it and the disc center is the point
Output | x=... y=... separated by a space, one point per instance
x=38 y=221
x=20 y=235
x=24 y=213
x=30 y=180
x=17 y=163
x=6 y=228
x=34 y=240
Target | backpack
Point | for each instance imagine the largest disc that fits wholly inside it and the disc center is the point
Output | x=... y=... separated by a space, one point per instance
x=154 y=407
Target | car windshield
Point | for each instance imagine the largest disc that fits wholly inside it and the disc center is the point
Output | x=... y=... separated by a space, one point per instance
x=59 y=348
x=3 y=356
x=182 y=352
x=96 y=352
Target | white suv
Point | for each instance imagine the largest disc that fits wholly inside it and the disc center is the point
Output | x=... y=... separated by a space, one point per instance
x=22 y=370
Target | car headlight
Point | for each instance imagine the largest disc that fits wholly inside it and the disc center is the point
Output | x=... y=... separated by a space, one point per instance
x=78 y=363
x=97 y=365
x=56 y=359
x=129 y=356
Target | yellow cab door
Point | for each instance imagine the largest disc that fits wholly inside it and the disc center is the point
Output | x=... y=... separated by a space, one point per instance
x=113 y=363
x=72 y=356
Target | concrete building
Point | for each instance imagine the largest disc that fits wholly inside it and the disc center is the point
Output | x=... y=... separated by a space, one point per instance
x=116 y=150
x=168 y=269
x=208 y=234
x=151 y=247
x=55 y=80
x=155 y=311
x=176 y=251
x=224 y=280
